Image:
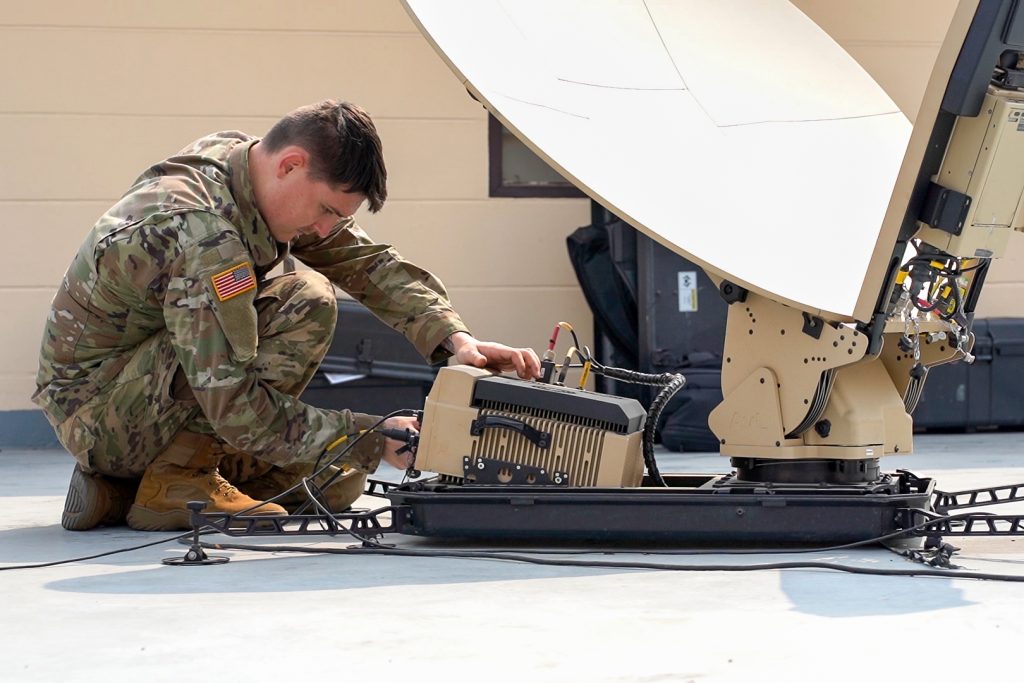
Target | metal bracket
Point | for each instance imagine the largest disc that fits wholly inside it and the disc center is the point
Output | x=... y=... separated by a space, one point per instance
x=732 y=293
x=362 y=525
x=1014 y=79
x=490 y=472
x=945 y=209
x=970 y=523
x=378 y=488
x=364 y=350
x=195 y=555
x=813 y=325
x=944 y=501
x=977 y=524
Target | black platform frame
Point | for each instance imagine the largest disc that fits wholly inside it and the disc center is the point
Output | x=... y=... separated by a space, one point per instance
x=692 y=509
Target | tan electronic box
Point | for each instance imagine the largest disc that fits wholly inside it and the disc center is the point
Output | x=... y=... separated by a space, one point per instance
x=983 y=161
x=482 y=428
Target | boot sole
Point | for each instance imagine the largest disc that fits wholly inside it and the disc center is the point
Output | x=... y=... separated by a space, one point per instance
x=143 y=519
x=94 y=501
x=82 y=512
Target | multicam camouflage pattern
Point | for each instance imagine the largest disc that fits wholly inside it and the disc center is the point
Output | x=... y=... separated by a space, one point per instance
x=138 y=345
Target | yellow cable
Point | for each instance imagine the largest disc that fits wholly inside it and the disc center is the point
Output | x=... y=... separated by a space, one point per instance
x=584 y=374
x=340 y=441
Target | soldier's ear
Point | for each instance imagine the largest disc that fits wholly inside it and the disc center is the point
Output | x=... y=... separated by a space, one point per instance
x=291 y=159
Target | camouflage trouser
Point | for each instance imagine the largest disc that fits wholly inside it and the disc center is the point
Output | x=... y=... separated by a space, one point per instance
x=135 y=417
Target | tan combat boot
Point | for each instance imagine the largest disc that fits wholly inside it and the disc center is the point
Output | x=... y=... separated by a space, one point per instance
x=337 y=497
x=186 y=471
x=94 y=499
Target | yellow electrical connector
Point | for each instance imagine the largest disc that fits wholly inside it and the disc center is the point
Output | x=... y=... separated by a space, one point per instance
x=585 y=374
x=341 y=440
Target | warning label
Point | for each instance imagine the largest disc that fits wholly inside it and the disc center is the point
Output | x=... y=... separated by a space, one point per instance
x=687 y=291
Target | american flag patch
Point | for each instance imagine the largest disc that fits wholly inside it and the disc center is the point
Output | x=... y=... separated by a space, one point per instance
x=233 y=281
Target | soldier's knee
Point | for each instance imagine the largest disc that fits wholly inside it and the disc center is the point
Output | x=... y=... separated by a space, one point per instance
x=317 y=293
x=297 y=301
x=314 y=284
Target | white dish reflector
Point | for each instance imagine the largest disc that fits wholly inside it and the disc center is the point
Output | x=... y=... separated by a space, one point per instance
x=736 y=132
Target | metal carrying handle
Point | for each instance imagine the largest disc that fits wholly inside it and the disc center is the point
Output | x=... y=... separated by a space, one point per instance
x=535 y=436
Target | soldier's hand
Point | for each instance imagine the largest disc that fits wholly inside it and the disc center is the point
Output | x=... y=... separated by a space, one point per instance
x=391 y=456
x=481 y=354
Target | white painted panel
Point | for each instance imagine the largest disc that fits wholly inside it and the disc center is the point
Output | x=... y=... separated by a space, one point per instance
x=617 y=47
x=734 y=131
x=747 y=61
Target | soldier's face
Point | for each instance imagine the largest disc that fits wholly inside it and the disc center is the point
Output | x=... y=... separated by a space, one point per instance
x=303 y=206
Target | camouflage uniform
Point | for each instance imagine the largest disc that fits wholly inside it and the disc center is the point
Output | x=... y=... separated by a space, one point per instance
x=165 y=321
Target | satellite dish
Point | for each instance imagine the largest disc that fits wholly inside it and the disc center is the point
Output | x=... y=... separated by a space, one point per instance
x=735 y=132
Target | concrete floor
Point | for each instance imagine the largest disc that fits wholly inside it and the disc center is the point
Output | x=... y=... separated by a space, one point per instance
x=128 y=617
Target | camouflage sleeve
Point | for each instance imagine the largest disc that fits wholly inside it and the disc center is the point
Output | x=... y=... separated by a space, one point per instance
x=210 y=314
x=403 y=295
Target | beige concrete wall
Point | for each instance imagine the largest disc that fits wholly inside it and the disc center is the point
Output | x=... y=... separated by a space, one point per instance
x=95 y=92
x=896 y=42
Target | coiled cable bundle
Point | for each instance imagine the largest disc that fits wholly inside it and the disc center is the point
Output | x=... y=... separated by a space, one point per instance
x=670 y=384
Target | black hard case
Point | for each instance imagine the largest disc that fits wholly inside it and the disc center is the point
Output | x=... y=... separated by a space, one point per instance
x=986 y=394
x=394 y=375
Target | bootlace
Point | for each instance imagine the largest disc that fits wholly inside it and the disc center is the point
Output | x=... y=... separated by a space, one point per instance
x=224 y=486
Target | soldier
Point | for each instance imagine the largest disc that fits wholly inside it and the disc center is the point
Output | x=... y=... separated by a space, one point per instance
x=169 y=356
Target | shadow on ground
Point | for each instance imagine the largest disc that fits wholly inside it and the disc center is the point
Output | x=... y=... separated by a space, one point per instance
x=818 y=592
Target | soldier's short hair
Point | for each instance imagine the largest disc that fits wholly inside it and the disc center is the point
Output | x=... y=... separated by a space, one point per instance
x=343 y=145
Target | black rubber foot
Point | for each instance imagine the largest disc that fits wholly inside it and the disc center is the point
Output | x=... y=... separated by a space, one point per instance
x=195 y=556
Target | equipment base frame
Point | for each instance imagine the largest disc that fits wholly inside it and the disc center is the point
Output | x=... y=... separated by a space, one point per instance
x=693 y=508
